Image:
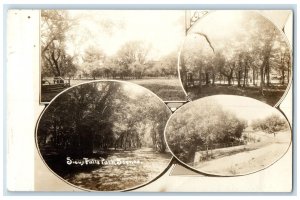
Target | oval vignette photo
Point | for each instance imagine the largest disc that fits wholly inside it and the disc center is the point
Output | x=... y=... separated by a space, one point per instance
x=236 y=53
x=105 y=136
x=228 y=135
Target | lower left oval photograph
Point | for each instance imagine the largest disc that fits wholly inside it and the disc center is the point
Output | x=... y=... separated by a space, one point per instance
x=105 y=136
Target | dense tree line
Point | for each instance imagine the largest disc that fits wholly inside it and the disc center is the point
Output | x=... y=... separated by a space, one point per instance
x=271 y=124
x=253 y=53
x=131 y=61
x=102 y=116
x=197 y=128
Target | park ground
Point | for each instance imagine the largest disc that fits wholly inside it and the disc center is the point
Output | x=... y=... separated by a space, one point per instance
x=168 y=89
x=253 y=157
x=112 y=178
x=271 y=95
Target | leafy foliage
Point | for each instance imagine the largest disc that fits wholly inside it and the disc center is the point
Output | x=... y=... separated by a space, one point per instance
x=55 y=59
x=58 y=29
x=201 y=124
x=251 y=51
x=101 y=116
x=271 y=124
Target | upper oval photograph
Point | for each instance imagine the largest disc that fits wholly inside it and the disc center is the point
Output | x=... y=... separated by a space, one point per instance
x=236 y=53
x=228 y=135
x=105 y=136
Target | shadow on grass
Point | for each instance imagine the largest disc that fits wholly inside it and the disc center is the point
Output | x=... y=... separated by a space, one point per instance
x=120 y=177
x=166 y=88
x=48 y=96
x=58 y=163
x=271 y=95
x=166 y=92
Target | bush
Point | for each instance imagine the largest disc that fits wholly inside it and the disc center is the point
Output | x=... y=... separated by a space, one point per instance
x=271 y=124
x=195 y=128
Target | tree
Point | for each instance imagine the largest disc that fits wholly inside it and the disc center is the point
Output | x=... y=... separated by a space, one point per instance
x=136 y=125
x=190 y=131
x=281 y=61
x=270 y=124
x=197 y=56
x=134 y=54
x=55 y=60
x=77 y=116
x=225 y=68
x=93 y=62
x=99 y=116
x=252 y=51
x=183 y=71
x=169 y=64
x=137 y=69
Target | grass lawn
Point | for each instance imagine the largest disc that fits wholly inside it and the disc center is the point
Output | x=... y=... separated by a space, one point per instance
x=48 y=96
x=271 y=95
x=166 y=89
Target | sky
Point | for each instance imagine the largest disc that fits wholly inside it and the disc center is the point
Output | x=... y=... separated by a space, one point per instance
x=245 y=107
x=231 y=27
x=109 y=30
x=220 y=24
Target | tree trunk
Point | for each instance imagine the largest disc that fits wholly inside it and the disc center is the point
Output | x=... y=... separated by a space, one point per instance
x=253 y=76
x=162 y=145
x=288 y=75
x=268 y=73
x=288 y=71
x=245 y=75
x=230 y=76
x=257 y=76
x=206 y=151
x=282 y=75
x=239 y=78
x=85 y=142
x=124 y=143
x=183 y=75
x=262 y=79
x=55 y=132
x=55 y=61
x=200 y=80
x=229 y=80
x=220 y=78
x=206 y=78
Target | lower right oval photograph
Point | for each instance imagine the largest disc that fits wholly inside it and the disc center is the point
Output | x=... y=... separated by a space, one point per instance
x=227 y=135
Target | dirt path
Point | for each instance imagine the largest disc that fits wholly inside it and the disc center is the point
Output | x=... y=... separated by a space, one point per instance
x=248 y=161
x=119 y=177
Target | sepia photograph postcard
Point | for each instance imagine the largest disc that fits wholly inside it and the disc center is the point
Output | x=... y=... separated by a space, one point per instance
x=150 y=100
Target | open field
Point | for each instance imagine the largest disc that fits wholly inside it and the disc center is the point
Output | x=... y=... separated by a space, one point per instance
x=254 y=157
x=271 y=95
x=167 y=89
